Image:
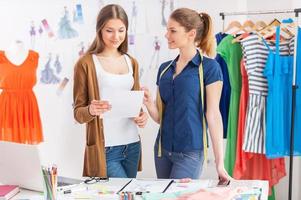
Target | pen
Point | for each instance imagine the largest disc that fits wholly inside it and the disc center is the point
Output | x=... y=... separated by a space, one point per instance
x=124 y=186
x=169 y=184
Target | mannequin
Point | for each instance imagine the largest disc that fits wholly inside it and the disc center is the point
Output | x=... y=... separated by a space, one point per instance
x=16 y=53
x=20 y=122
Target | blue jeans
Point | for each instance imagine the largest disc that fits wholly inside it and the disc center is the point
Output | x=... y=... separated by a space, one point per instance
x=122 y=161
x=177 y=165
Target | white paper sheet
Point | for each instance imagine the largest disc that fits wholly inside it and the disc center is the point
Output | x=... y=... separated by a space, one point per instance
x=194 y=185
x=125 y=104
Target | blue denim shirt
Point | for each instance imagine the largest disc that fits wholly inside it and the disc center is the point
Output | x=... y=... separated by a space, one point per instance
x=182 y=121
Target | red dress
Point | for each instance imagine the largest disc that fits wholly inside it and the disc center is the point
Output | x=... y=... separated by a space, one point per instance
x=19 y=113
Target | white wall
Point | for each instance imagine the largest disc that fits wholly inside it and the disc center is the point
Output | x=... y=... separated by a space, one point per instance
x=64 y=139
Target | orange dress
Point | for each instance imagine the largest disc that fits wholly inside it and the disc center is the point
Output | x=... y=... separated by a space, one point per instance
x=19 y=113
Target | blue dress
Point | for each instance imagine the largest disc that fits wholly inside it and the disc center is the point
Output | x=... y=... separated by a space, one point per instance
x=279 y=73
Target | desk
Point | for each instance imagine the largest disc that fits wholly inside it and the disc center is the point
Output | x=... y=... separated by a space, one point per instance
x=118 y=182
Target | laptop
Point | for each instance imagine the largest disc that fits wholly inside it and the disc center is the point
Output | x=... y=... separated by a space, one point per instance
x=20 y=165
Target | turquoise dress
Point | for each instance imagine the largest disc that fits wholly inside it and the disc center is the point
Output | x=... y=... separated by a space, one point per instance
x=279 y=73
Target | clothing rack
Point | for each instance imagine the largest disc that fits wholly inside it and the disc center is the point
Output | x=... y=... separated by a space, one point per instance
x=266 y=12
x=294 y=86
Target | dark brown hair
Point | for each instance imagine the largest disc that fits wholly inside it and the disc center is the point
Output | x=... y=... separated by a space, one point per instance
x=111 y=11
x=201 y=22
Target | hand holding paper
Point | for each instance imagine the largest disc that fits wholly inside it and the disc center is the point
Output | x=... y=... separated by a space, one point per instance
x=99 y=107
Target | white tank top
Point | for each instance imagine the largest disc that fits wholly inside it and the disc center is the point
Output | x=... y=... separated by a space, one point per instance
x=119 y=131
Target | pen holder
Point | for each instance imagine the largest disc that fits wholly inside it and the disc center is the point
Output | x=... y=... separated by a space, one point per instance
x=50 y=185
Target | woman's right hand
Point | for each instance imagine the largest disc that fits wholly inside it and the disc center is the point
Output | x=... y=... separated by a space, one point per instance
x=147 y=100
x=98 y=107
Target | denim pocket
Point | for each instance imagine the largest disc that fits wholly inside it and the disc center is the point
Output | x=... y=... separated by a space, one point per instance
x=193 y=155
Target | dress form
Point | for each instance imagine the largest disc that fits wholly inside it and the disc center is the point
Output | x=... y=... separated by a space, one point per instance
x=19 y=117
x=16 y=53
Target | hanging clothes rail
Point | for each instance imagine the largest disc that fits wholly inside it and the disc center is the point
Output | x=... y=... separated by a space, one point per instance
x=258 y=12
x=294 y=86
x=266 y=12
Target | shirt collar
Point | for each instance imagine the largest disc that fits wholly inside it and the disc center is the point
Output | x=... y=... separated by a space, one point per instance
x=196 y=60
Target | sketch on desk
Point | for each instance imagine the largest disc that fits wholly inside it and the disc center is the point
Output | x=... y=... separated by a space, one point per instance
x=137 y=185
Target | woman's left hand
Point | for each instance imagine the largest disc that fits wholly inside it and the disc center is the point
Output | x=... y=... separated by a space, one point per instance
x=141 y=119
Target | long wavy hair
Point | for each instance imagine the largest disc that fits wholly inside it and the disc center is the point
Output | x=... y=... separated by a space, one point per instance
x=111 y=11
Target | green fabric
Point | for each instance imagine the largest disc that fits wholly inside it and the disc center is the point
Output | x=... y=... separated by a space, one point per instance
x=272 y=196
x=232 y=54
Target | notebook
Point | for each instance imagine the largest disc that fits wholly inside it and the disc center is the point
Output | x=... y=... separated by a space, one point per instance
x=8 y=191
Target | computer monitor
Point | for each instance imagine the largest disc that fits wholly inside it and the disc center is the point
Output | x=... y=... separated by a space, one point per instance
x=20 y=165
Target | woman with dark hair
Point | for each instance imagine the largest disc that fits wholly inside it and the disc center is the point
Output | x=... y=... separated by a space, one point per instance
x=189 y=90
x=112 y=144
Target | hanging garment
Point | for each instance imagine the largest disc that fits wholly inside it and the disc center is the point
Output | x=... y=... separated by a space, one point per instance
x=259 y=167
x=253 y=166
x=226 y=91
x=278 y=71
x=232 y=54
x=254 y=130
x=19 y=117
x=240 y=165
x=256 y=54
x=255 y=124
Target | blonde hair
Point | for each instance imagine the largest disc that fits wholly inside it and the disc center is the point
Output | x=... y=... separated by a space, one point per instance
x=202 y=23
x=111 y=11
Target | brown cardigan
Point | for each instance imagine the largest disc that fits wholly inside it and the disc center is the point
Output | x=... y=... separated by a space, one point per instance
x=85 y=89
